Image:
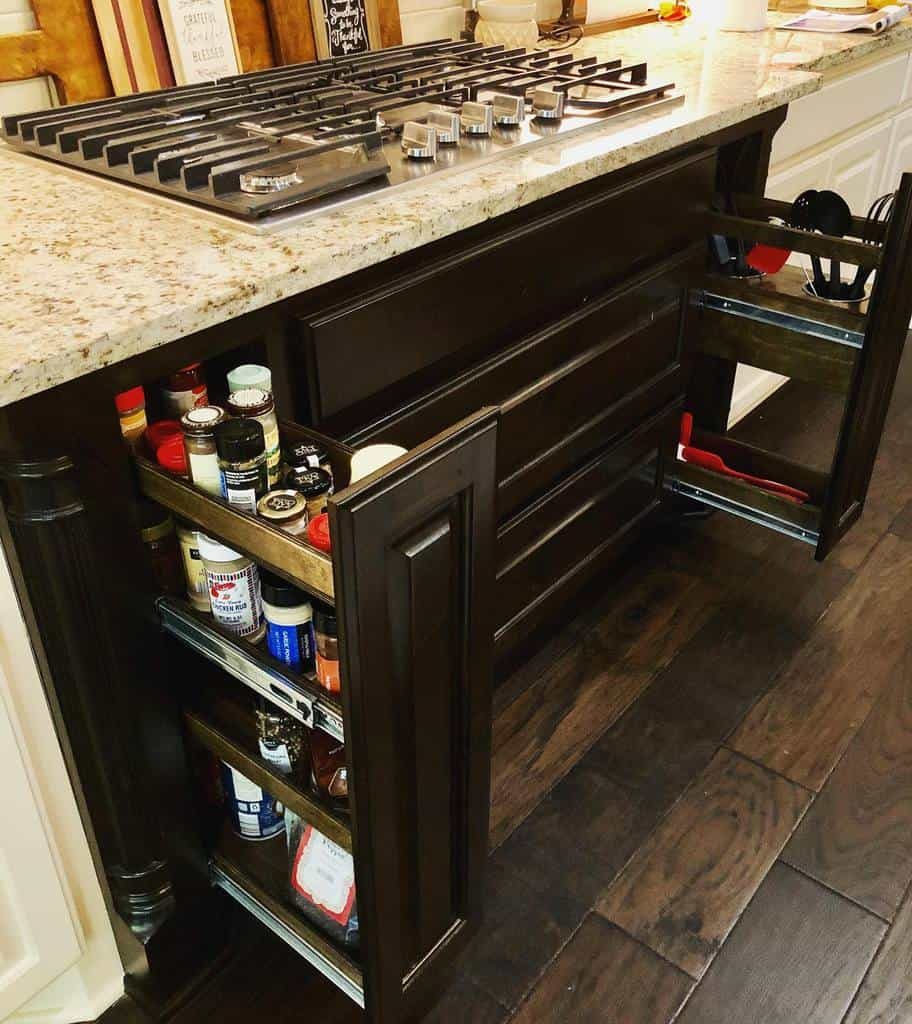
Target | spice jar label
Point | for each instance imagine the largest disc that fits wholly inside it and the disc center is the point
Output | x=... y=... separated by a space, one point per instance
x=324 y=874
x=276 y=754
x=235 y=600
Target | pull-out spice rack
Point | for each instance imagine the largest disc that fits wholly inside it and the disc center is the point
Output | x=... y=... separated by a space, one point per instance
x=410 y=576
x=772 y=324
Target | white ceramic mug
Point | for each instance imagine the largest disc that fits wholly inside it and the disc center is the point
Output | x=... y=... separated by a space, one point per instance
x=742 y=15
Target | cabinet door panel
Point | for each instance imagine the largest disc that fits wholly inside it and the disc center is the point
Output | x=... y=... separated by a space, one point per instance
x=856 y=167
x=413 y=549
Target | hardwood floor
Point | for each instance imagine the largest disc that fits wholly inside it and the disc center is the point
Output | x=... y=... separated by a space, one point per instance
x=702 y=783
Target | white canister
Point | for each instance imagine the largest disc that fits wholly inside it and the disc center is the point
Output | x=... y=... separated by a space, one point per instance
x=373 y=457
x=234 y=589
x=742 y=15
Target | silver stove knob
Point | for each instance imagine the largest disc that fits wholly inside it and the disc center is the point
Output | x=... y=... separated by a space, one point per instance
x=477 y=118
x=446 y=124
x=548 y=104
x=419 y=141
x=509 y=111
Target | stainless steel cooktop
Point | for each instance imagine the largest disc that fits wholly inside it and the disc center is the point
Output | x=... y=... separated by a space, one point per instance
x=307 y=137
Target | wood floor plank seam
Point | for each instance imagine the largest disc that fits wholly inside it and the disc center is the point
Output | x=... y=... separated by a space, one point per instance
x=644 y=945
x=759 y=764
x=864 y=977
x=819 y=881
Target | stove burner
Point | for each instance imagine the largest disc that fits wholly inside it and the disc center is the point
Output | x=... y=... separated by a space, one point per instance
x=307 y=137
x=272 y=179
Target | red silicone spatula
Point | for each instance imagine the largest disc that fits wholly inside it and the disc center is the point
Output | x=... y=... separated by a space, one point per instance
x=714 y=462
x=768 y=259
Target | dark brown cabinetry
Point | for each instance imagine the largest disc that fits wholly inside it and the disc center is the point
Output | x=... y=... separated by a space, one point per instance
x=536 y=369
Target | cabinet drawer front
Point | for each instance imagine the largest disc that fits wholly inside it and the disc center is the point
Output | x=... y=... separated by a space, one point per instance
x=493 y=293
x=544 y=545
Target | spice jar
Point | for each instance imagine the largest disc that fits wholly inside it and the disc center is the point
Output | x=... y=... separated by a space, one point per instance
x=249 y=375
x=326 y=631
x=328 y=767
x=184 y=390
x=170 y=455
x=315 y=485
x=198 y=426
x=254 y=813
x=285 y=509
x=194 y=568
x=242 y=461
x=234 y=589
x=289 y=623
x=131 y=408
x=257 y=404
x=280 y=738
x=302 y=456
x=318 y=532
x=157 y=532
x=369 y=459
x=159 y=432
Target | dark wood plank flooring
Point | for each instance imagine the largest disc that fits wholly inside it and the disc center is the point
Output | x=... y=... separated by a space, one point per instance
x=702 y=782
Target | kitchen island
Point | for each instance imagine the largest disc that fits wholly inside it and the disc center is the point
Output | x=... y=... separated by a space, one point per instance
x=524 y=331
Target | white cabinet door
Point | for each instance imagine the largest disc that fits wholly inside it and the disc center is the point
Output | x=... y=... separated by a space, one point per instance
x=38 y=940
x=900 y=155
x=857 y=167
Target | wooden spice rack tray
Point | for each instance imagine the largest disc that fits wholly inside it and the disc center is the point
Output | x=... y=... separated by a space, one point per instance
x=255 y=875
x=297 y=694
x=234 y=752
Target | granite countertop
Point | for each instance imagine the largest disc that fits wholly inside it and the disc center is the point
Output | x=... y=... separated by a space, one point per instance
x=94 y=273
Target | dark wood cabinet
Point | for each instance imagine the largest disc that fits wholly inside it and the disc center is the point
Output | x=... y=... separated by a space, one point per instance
x=536 y=369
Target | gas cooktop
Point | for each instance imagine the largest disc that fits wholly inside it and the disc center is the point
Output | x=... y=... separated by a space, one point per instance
x=306 y=137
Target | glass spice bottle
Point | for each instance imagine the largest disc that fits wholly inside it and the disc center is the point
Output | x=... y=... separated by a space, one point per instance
x=257 y=404
x=198 y=426
x=326 y=632
x=184 y=390
x=242 y=462
x=328 y=767
x=280 y=738
x=194 y=569
x=315 y=485
x=285 y=509
x=157 y=532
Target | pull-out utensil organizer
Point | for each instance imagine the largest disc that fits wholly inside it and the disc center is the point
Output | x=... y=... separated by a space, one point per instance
x=773 y=324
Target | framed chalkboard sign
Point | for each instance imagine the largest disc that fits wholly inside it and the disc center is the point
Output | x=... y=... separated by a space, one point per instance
x=342 y=27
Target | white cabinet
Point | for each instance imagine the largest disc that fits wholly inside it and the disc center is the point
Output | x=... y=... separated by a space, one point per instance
x=900 y=151
x=857 y=167
x=37 y=938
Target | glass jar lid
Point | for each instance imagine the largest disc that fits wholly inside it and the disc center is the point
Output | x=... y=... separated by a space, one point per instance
x=310 y=482
x=250 y=402
x=203 y=420
x=240 y=440
x=282 y=506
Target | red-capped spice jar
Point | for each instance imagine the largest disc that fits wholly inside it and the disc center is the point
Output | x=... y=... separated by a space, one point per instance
x=172 y=456
x=131 y=408
x=158 y=433
x=318 y=532
x=184 y=390
x=326 y=634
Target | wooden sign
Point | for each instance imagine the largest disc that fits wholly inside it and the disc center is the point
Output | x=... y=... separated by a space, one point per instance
x=200 y=39
x=342 y=27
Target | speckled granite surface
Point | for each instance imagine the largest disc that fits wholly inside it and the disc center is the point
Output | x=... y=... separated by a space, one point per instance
x=93 y=273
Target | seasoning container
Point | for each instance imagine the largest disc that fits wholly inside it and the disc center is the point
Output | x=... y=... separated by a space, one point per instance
x=328 y=767
x=302 y=456
x=322 y=881
x=184 y=390
x=254 y=813
x=158 y=433
x=373 y=457
x=280 y=738
x=315 y=485
x=242 y=462
x=234 y=589
x=249 y=375
x=157 y=532
x=326 y=631
x=257 y=404
x=289 y=623
x=194 y=567
x=318 y=532
x=131 y=408
x=170 y=455
x=198 y=427
x=285 y=509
